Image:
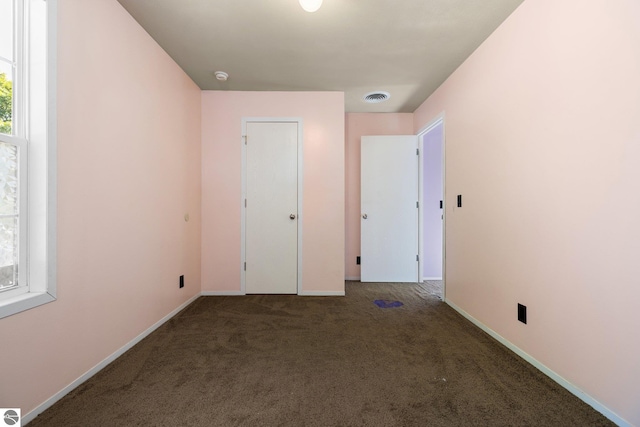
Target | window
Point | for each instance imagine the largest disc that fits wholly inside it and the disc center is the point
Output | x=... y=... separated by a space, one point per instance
x=27 y=154
x=12 y=151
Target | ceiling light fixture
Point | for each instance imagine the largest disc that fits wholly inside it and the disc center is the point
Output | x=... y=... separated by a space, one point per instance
x=221 y=75
x=310 y=5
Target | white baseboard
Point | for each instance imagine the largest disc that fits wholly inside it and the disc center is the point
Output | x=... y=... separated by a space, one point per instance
x=544 y=369
x=321 y=294
x=352 y=278
x=91 y=372
x=221 y=293
x=431 y=278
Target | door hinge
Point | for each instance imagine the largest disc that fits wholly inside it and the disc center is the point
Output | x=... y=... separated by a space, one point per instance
x=417 y=204
x=245 y=203
x=417 y=257
x=245 y=266
x=417 y=151
x=245 y=139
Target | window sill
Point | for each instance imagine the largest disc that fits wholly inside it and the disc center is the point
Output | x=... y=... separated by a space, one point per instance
x=24 y=302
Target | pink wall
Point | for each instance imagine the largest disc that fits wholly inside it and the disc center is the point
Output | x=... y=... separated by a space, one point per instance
x=543 y=142
x=358 y=125
x=323 y=183
x=128 y=172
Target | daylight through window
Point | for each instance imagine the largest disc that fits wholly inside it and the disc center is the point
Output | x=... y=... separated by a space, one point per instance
x=13 y=150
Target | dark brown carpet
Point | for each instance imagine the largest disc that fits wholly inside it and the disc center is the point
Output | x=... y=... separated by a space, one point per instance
x=320 y=361
x=434 y=287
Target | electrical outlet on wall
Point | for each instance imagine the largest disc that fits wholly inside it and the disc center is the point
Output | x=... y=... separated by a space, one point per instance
x=522 y=313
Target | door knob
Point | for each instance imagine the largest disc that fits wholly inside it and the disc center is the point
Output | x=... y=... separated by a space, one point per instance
x=364 y=216
x=292 y=216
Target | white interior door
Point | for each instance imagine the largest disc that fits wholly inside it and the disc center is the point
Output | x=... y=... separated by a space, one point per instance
x=389 y=209
x=271 y=243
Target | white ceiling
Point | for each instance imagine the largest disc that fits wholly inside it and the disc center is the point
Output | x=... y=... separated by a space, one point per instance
x=405 y=47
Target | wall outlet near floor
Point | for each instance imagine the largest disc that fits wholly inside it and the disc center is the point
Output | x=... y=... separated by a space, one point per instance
x=522 y=313
x=182 y=281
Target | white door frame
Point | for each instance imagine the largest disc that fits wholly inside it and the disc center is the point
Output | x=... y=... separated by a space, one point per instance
x=440 y=119
x=243 y=215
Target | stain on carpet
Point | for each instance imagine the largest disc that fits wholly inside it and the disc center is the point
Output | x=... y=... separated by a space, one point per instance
x=383 y=303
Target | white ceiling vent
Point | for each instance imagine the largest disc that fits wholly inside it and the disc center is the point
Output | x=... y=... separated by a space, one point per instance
x=375 y=97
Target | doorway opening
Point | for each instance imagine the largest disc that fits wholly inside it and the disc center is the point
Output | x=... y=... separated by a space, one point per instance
x=432 y=203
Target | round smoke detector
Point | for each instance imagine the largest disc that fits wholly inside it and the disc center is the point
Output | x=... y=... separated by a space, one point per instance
x=221 y=75
x=375 y=97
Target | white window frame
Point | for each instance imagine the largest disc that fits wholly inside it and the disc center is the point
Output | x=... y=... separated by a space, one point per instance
x=34 y=128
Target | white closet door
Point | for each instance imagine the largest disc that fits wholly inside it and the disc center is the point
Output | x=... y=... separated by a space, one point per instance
x=389 y=211
x=272 y=208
